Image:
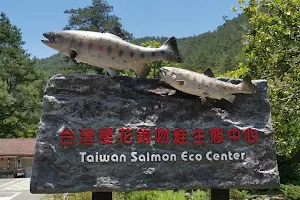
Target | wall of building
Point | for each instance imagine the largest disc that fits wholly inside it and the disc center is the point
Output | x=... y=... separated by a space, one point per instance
x=27 y=165
x=3 y=163
x=13 y=162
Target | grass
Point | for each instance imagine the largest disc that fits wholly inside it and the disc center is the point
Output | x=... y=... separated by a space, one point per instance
x=290 y=192
x=137 y=195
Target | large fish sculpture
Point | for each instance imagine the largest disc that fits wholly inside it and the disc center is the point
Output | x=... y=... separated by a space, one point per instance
x=204 y=85
x=109 y=51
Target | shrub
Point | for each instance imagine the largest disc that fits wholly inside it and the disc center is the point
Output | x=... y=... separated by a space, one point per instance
x=136 y=195
x=239 y=194
x=6 y=173
x=291 y=191
x=71 y=196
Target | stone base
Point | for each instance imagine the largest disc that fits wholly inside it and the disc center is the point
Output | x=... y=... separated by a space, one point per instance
x=92 y=101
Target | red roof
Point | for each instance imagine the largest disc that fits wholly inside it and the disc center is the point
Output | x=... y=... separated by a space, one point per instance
x=17 y=147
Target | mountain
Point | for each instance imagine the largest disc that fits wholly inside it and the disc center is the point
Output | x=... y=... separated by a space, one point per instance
x=218 y=50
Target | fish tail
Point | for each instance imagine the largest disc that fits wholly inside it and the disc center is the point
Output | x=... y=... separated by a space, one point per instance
x=110 y=72
x=247 y=85
x=173 y=54
x=230 y=98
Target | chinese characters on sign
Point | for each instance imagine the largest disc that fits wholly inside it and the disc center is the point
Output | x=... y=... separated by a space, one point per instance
x=162 y=136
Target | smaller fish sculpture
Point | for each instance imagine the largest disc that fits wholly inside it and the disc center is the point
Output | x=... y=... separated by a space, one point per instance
x=204 y=85
x=109 y=51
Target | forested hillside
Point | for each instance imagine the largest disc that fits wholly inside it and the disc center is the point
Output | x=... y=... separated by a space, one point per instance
x=21 y=85
x=218 y=50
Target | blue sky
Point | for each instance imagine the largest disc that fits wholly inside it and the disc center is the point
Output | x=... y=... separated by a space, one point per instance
x=179 y=18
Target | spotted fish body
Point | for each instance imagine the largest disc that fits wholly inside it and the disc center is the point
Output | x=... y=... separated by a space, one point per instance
x=204 y=85
x=106 y=50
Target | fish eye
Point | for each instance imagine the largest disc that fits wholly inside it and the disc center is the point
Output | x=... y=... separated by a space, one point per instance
x=163 y=71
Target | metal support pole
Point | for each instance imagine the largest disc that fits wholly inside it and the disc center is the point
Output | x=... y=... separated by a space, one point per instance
x=101 y=195
x=218 y=194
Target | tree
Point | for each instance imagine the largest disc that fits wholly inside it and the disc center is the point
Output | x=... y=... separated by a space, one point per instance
x=96 y=17
x=154 y=66
x=21 y=85
x=272 y=51
x=217 y=50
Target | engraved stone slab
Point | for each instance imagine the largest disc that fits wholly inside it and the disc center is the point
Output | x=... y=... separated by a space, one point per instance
x=218 y=160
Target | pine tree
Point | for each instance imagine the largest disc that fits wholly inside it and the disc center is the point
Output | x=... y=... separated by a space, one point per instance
x=21 y=85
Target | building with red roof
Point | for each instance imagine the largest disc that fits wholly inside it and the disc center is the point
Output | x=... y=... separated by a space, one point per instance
x=17 y=153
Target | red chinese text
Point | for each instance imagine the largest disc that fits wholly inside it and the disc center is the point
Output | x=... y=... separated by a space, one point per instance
x=87 y=136
x=106 y=135
x=216 y=136
x=125 y=135
x=234 y=134
x=198 y=136
x=250 y=135
x=67 y=137
x=161 y=135
x=143 y=136
x=179 y=136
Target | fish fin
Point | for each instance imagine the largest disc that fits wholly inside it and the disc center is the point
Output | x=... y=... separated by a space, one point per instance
x=118 y=32
x=73 y=53
x=163 y=91
x=180 y=82
x=230 y=98
x=209 y=73
x=110 y=71
x=173 y=53
x=142 y=71
x=247 y=85
x=203 y=99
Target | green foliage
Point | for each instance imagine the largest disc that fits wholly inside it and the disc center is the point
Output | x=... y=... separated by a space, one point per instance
x=271 y=51
x=6 y=173
x=236 y=194
x=139 y=195
x=238 y=73
x=291 y=191
x=136 y=195
x=218 y=50
x=71 y=196
x=52 y=197
x=21 y=85
x=275 y=35
x=58 y=64
x=154 y=66
x=163 y=195
x=96 y=17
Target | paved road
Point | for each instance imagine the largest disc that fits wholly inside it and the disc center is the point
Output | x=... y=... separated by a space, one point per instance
x=17 y=189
